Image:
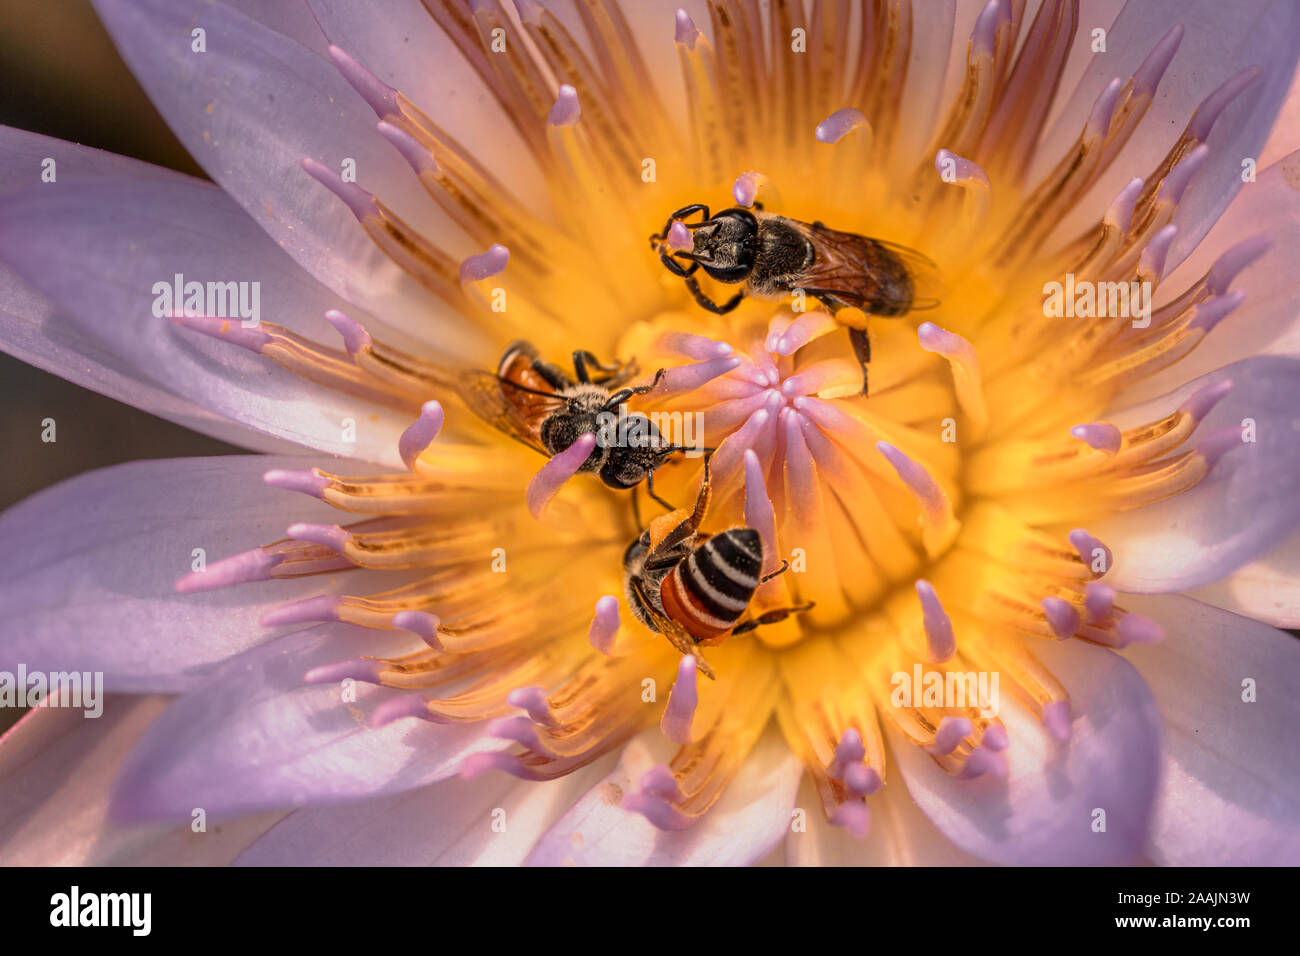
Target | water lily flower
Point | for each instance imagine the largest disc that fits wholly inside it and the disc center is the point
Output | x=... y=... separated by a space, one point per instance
x=395 y=636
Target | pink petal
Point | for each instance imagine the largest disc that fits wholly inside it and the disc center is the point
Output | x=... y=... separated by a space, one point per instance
x=55 y=772
x=97 y=250
x=398 y=48
x=255 y=737
x=1220 y=41
x=90 y=571
x=275 y=102
x=32 y=330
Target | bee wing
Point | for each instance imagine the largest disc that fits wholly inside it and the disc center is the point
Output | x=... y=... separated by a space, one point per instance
x=482 y=392
x=876 y=276
x=927 y=283
x=677 y=635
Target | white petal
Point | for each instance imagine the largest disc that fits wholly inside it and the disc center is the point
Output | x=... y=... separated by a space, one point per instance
x=494 y=820
x=747 y=821
x=900 y=835
x=1230 y=794
x=1043 y=814
x=1267 y=589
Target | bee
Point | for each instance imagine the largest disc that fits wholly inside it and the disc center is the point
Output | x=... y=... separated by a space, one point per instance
x=695 y=588
x=771 y=256
x=535 y=402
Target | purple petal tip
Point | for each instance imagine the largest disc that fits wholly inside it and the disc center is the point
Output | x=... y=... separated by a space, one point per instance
x=309 y=482
x=408 y=705
x=420 y=433
x=417 y=156
x=1102 y=436
x=604 y=624
x=566 y=111
x=324 y=607
x=420 y=623
x=685 y=32
x=254 y=565
x=1203 y=400
x=381 y=97
x=232 y=331
x=1061 y=615
x=1235 y=259
x=1139 y=629
x=355 y=337
x=326 y=535
x=1056 y=718
x=550 y=478
x=356 y=668
x=679 y=238
x=485 y=265
x=839 y=124
x=357 y=199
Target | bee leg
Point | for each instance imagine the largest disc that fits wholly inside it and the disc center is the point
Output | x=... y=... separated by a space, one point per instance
x=771 y=617
x=624 y=394
x=862 y=349
x=650 y=490
x=708 y=303
x=584 y=362
x=679 y=214
x=636 y=510
x=580 y=367
x=785 y=566
x=687 y=211
x=685 y=645
x=553 y=375
x=700 y=663
x=702 y=500
x=675 y=267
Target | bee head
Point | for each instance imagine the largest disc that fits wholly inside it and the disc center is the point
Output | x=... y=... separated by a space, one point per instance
x=725 y=245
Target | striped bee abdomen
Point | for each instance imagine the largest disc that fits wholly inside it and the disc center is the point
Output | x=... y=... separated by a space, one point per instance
x=709 y=591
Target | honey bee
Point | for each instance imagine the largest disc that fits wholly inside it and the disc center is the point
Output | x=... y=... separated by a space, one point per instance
x=772 y=256
x=694 y=588
x=536 y=403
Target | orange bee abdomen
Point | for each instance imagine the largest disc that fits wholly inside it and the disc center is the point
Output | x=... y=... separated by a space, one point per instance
x=517 y=367
x=687 y=611
x=709 y=591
